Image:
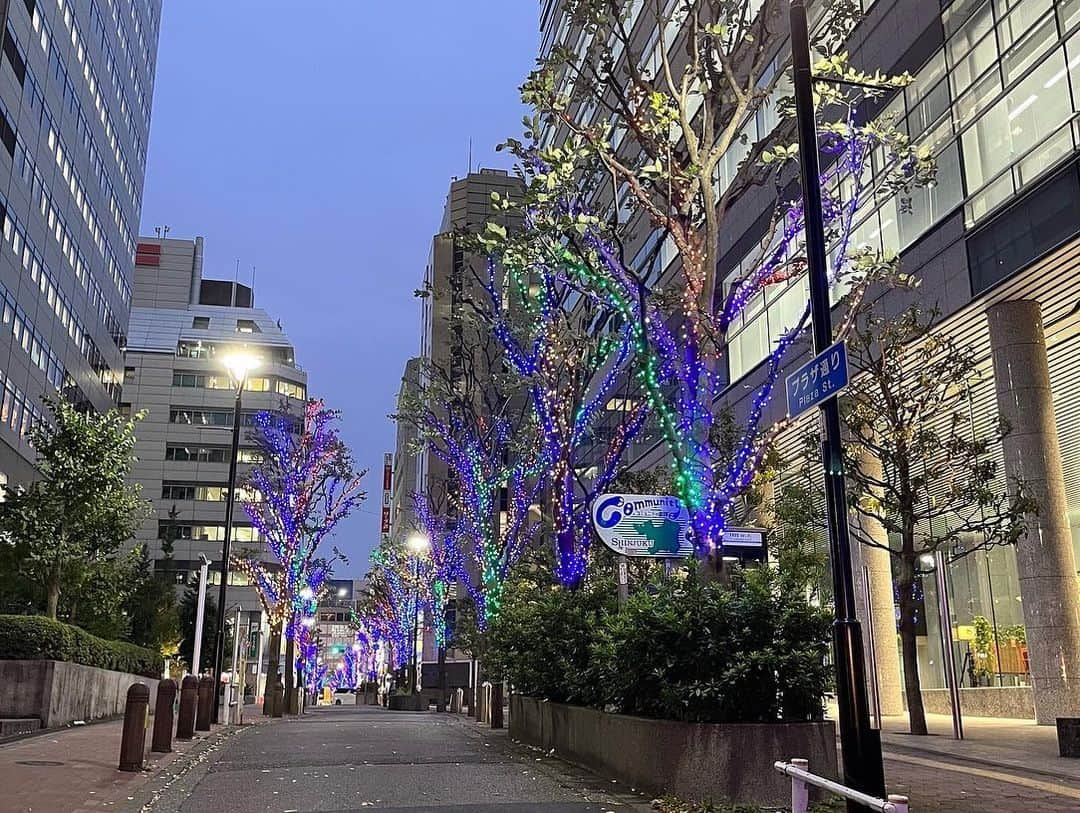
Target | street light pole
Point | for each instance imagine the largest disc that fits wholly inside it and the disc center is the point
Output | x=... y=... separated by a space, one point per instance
x=861 y=745
x=239 y=366
x=416 y=623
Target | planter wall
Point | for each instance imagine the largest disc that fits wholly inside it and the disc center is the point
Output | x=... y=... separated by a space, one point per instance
x=58 y=693
x=407 y=702
x=695 y=761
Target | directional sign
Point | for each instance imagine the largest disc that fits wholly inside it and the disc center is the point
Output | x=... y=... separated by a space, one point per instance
x=817 y=380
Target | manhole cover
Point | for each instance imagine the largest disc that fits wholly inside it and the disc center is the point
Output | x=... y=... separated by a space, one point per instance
x=39 y=763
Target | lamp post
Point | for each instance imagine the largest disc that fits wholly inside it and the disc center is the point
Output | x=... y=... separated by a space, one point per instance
x=200 y=614
x=418 y=545
x=860 y=744
x=239 y=365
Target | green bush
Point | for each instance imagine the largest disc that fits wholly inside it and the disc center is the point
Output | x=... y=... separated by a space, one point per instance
x=753 y=651
x=28 y=637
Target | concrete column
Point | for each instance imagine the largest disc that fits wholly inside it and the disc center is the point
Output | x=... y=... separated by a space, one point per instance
x=1045 y=560
x=878 y=562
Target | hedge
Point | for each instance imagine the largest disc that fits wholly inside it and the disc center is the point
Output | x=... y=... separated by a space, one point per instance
x=30 y=637
x=753 y=651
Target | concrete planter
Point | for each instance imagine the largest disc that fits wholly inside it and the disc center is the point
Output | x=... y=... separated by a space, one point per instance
x=695 y=761
x=408 y=702
x=58 y=693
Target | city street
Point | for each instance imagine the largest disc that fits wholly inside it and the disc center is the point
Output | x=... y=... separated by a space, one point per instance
x=349 y=758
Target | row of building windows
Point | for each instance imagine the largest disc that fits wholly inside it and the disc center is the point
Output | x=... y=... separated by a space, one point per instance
x=79 y=48
x=208 y=417
x=188 y=492
x=988 y=144
x=33 y=98
x=207 y=533
x=27 y=255
x=209 y=350
x=44 y=37
x=281 y=386
x=134 y=74
x=19 y=412
x=179 y=453
x=101 y=32
x=145 y=40
x=31 y=341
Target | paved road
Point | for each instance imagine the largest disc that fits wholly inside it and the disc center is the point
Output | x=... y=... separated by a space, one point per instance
x=347 y=758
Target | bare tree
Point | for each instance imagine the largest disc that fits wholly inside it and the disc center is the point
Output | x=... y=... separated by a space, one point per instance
x=921 y=468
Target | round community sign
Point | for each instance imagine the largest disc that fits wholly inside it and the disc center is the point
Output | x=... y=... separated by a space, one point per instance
x=643 y=524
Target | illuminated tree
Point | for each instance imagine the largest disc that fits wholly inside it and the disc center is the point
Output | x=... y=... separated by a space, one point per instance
x=572 y=364
x=303 y=486
x=675 y=143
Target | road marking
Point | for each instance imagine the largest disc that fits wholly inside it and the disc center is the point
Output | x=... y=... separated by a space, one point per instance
x=1035 y=784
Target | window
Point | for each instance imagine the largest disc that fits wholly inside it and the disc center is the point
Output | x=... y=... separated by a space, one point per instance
x=201 y=417
x=189 y=380
x=247 y=326
x=129 y=375
x=200 y=323
x=291 y=390
x=1033 y=110
x=177 y=491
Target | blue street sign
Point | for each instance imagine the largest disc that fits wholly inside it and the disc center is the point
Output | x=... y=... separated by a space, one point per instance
x=817 y=380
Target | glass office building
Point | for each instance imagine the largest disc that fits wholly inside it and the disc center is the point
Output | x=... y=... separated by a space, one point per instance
x=76 y=86
x=995 y=243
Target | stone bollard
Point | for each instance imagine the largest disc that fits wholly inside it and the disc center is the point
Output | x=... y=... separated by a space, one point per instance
x=205 y=711
x=189 y=700
x=133 y=739
x=497 y=705
x=455 y=701
x=163 y=717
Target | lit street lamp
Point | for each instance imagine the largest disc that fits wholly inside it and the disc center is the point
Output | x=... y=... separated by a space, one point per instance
x=239 y=365
x=418 y=545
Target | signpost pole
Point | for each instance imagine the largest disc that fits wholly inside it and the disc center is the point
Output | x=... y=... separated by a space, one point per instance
x=861 y=745
x=623 y=578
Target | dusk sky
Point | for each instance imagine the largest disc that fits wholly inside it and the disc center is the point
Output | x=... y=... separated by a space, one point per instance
x=316 y=142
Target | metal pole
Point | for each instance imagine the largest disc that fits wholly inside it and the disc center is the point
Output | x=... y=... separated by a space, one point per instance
x=860 y=744
x=416 y=624
x=219 y=642
x=945 y=629
x=234 y=678
x=875 y=690
x=200 y=614
x=260 y=682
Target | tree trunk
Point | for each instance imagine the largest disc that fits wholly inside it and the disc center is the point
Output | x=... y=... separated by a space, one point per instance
x=440 y=704
x=912 y=686
x=290 y=672
x=53 y=600
x=272 y=691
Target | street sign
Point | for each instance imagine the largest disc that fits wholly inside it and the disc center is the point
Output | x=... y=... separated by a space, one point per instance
x=746 y=543
x=818 y=380
x=648 y=525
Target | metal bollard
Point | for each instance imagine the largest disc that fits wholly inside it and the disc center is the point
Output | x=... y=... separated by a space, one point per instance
x=800 y=793
x=899 y=803
x=189 y=700
x=163 y=717
x=133 y=740
x=497 y=705
x=205 y=712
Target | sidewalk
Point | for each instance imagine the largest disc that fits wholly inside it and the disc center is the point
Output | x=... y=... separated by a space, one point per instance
x=74 y=770
x=1011 y=745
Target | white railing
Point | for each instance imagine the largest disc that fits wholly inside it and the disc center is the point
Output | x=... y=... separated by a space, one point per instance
x=802 y=779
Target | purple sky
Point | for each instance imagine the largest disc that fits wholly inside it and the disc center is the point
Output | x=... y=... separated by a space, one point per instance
x=318 y=146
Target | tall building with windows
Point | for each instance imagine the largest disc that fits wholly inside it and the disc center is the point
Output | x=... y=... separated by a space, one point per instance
x=995 y=244
x=76 y=83
x=181 y=327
